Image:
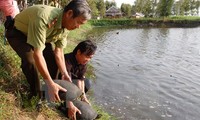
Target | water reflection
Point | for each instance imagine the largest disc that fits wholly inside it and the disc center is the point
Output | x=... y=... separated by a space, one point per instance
x=150 y=74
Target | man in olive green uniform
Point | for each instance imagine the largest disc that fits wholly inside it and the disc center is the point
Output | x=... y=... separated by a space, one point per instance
x=34 y=30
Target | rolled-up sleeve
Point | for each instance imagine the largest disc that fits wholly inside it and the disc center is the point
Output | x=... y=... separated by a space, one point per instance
x=62 y=42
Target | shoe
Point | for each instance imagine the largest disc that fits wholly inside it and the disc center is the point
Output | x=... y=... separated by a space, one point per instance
x=62 y=108
x=39 y=107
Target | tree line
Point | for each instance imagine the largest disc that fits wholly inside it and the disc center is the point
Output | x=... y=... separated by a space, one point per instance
x=149 y=8
x=160 y=8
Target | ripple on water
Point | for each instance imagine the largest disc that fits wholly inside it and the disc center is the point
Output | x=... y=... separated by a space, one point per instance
x=149 y=73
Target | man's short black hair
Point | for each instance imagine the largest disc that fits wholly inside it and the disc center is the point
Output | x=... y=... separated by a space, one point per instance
x=79 y=8
x=86 y=47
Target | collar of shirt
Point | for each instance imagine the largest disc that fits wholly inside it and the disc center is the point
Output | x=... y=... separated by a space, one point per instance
x=59 y=21
x=75 y=62
x=76 y=70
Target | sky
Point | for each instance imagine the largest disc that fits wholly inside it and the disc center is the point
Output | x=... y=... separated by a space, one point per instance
x=119 y=2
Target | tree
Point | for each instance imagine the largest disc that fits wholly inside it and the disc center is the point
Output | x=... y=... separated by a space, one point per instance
x=148 y=8
x=197 y=5
x=192 y=7
x=93 y=7
x=110 y=4
x=101 y=7
x=164 y=7
x=145 y=7
x=133 y=9
x=154 y=7
x=185 y=6
x=126 y=9
x=139 y=5
x=176 y=9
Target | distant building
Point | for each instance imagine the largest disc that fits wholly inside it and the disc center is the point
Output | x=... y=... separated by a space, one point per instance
x=199 y=11
x=113 y=12
x=138 y=15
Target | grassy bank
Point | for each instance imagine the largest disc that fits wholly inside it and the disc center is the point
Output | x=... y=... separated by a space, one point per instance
x=176 y=21
x=13 y=86
x=76 y=36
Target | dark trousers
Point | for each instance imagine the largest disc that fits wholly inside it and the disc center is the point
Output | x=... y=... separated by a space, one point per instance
x=18 y=40
x=9 y=22
x=88 y=84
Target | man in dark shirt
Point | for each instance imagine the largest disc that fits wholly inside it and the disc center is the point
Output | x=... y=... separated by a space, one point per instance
x=76 y=64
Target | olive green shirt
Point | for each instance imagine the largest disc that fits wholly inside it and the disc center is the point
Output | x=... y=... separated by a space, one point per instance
x=42 y=24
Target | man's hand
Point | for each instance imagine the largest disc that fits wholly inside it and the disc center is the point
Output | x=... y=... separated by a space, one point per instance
x=65 y=76
x=84 y=99
x=72 y=111
x=53 y=90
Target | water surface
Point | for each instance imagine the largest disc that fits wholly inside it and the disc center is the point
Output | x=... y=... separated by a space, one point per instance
x=148 y=73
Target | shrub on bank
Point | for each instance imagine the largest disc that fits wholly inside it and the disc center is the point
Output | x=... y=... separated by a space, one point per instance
x=149 y=22
x=112 y=22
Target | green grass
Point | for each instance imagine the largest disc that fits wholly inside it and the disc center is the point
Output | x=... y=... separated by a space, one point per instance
x=80 y=33
x=174 y=20
x=76 y=36
x=105 y=115
x=185 y=18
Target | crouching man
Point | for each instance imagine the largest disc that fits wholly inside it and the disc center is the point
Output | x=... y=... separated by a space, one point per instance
x=76 y=65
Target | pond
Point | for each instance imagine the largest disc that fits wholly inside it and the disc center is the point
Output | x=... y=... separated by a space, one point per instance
x=148 y=73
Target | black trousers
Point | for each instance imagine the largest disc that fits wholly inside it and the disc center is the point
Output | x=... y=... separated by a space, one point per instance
x=18 y=42
x=9 y=22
